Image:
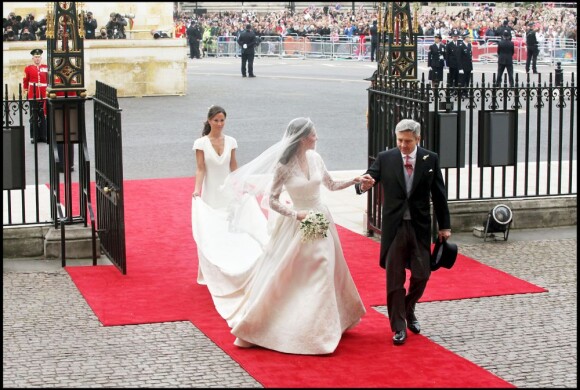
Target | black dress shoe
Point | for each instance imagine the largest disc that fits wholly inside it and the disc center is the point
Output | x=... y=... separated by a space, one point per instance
x=414 y=326
x=252 y=75
x=400 y=337
x=244 y=75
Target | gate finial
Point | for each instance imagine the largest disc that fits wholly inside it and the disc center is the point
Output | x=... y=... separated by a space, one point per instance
x=397 y=47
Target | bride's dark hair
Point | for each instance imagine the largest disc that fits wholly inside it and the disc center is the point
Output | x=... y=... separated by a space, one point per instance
x=297 y=129
x=213 y=111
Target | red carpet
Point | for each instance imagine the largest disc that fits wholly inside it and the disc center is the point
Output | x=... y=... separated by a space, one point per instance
x=160 y=286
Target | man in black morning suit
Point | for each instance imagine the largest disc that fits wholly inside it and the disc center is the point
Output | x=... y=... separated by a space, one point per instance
x=505 y=59
x=408 y=188
x=436 y=61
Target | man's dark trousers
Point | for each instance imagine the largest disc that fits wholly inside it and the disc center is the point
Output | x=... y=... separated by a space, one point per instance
x=248 y=57
x=532 y=56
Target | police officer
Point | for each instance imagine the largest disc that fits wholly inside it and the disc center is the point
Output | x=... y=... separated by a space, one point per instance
x=247 y=41
x=436 y=61
x=465 y=58
x=532 y=48
x=374 y=39
x=34 y=83
x=451 y=59
x=505 y=58
x=194 y=36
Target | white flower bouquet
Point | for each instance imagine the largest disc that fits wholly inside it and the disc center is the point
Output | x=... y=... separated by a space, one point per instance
x=314 y=226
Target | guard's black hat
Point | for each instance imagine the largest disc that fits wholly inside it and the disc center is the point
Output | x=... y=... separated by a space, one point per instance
x=438 y=36
x=444 y=255
x=36 y=52
x=454 y=33
x=506 y=34
x=373 y=77
x=465 y=34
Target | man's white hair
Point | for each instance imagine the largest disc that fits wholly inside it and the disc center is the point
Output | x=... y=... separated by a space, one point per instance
x=408 y=125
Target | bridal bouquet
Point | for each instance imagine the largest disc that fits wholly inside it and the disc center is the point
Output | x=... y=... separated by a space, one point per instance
x=314 y=226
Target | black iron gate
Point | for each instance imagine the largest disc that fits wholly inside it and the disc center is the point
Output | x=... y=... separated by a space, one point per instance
x=493 y=142
x=109 y=175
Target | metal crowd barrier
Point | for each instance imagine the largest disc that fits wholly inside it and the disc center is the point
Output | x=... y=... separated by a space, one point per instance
x=293 y=46
x=552 y=50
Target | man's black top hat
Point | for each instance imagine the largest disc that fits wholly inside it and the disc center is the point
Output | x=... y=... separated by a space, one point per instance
x=444 y=255
x=36 y=52
x=373 y=77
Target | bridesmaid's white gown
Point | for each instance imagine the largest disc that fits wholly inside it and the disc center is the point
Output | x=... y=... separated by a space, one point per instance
x=273 y=290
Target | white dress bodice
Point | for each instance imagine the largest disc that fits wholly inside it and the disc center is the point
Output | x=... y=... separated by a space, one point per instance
x=217 y=168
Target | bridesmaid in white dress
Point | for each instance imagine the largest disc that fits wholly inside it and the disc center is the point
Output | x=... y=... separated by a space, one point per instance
x=291 y=296
x=215 y=155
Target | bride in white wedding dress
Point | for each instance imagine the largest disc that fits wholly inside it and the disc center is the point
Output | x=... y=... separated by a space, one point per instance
x=273 y=289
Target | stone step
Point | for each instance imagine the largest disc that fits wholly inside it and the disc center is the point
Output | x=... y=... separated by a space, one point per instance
x=78 y=243
x=45 y=242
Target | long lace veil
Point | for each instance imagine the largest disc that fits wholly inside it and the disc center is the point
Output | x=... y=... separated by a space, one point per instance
x=250 y=184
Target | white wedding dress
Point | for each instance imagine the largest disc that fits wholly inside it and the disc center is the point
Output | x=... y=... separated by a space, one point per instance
x=273 y=290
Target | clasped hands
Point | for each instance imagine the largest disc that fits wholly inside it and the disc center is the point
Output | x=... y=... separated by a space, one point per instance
x=365 y=181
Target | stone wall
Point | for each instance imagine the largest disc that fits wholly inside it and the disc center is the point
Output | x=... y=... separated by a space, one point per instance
x=146 y=67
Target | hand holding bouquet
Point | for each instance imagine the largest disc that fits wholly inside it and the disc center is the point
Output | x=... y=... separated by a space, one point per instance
x=314 y=226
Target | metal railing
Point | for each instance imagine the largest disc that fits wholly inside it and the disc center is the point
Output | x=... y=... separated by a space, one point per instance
x=551 y=50
x=484 y=50
x=22 y=205
x=493 y=142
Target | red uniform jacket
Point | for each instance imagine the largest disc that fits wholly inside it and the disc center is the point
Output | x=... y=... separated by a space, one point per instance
x=35 y=81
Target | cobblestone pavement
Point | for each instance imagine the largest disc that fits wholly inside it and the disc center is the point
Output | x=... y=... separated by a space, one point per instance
x=53 y=339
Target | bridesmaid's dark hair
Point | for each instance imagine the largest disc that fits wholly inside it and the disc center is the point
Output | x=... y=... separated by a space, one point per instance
x=213 y=111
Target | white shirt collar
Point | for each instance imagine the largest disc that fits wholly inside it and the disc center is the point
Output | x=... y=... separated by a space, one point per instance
x=413 y=154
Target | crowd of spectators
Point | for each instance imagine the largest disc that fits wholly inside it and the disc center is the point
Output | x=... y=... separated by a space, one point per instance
x=481 y=22
x=336 y=21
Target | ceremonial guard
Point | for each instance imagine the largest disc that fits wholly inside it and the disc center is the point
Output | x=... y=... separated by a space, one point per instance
x=34 y=83
x=436 y=61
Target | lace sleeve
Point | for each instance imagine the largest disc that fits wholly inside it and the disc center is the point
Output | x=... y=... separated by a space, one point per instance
x=327 y=180
x=280 y=176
